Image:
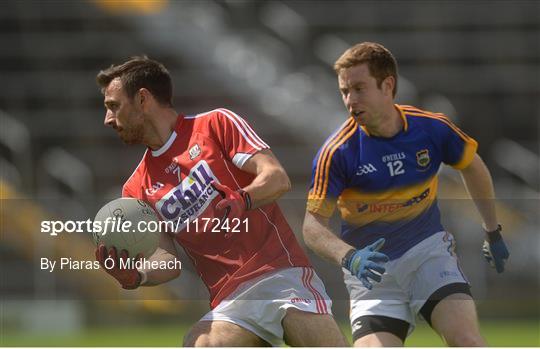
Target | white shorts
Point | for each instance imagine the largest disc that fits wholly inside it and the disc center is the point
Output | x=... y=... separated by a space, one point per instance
x=259 y=305
x=408 y=282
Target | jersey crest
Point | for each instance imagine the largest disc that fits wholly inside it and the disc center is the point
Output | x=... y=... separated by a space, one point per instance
x=422 y=158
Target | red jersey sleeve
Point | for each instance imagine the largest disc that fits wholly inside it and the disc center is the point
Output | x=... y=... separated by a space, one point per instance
x=127 y=192
x=237 y=139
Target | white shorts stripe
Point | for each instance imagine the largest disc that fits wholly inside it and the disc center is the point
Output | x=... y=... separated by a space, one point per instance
x=305 y=274
x=259 y=305
x=323 y=302
x=320 y=299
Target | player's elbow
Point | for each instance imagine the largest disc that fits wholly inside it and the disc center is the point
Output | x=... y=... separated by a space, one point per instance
x=281 y=180
x=286 y=184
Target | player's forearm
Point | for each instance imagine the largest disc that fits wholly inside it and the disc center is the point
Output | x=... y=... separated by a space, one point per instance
x=268 y=186
x=319 y=238
x=479 y=185
x=158 y=276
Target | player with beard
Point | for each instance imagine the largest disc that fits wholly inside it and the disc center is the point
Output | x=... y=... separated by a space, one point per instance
x=208 y=166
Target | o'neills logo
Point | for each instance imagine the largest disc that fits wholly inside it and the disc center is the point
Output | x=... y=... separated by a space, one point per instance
x=300 y=300
x=189 y=198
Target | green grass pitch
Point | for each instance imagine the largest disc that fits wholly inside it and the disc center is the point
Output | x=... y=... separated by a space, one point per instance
x=497 y=333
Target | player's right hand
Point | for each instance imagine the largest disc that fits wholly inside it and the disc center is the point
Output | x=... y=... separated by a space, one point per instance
x=129 y=278
x=233 y=203
x=495 y=250
x=367 y=263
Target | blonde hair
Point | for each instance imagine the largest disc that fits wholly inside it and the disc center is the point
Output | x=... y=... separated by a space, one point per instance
x=380 y=61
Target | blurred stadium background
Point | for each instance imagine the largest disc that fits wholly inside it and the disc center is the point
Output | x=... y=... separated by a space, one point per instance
x=270 y=61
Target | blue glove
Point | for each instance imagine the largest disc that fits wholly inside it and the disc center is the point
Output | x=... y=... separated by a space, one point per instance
x=365 y=262
x=495 y=251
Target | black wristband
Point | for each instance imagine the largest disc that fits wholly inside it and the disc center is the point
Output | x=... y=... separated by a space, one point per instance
x=247 y=198
x=495 y=235
x=347 y=257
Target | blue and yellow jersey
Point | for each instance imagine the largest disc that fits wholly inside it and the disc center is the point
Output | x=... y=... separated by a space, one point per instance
x=387 y=187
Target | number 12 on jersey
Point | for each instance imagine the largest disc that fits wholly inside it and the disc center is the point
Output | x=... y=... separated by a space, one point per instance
x=395 y=167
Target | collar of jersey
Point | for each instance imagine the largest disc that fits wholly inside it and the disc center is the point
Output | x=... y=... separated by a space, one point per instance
x=403 y=117
x=165 y=146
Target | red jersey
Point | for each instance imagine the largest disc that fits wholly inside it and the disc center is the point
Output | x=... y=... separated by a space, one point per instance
x=175 y=180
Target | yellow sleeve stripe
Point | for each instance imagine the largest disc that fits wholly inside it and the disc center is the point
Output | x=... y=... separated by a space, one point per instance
x=441 y=117
x=318 y=182
x=325 y=159
x=468 y=155
x=329 y=161
x=323 y=208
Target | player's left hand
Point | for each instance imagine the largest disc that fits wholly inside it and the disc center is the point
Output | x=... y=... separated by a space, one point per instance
x=367 y=264
x=495 y=251
x=233 y=203
x=129 y=278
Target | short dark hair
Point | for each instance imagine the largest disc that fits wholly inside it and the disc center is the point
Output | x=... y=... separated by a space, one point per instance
x=380 y=61
x=140 y=72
